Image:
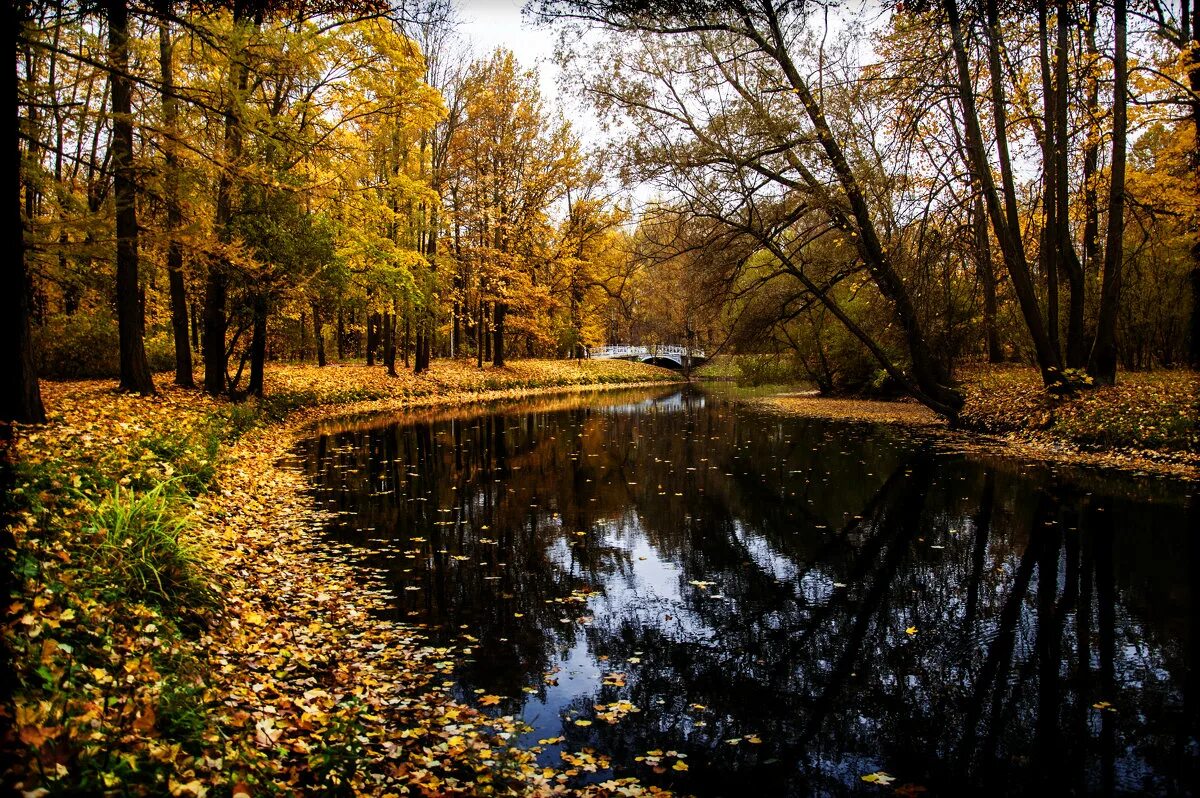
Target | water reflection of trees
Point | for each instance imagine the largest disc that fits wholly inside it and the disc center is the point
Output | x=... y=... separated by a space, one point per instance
x=1033 y=598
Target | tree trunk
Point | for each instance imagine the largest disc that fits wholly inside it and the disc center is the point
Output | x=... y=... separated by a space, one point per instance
x=341 y=333
x=499 y=311
x=1076 y=354
x=258 y=345
x=1103 y=362
x=21 y=397
x=1005 y=218
x=987 y=279
x=389 y=343
x=195 y=327
x=406 y=341
x=135 y=371
x=1193 y=45
x=216 y=287
x=372 y=332
x=1048 y=252
x=318 y=333
x=179 y=304
x=479 y=336
x=929 y=372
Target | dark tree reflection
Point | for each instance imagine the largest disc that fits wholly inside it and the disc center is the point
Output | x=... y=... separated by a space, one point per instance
x=791 y=603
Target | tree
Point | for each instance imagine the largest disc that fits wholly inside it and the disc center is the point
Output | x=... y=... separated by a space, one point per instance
x=511 y=163
x=763 y=158
x=21 y=396
x=1102 y=364
x=135 y=370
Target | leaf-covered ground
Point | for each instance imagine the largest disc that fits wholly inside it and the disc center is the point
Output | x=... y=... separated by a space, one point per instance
x=1145 y=422
x=247 y=659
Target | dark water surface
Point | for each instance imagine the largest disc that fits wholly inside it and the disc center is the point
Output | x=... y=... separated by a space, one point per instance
x=790 y=603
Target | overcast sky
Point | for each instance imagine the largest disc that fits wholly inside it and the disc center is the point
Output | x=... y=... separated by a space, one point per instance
x=498 y=23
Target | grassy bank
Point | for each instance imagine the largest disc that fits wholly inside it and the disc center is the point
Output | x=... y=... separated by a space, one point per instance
x=174 y=628
x=1146 y=422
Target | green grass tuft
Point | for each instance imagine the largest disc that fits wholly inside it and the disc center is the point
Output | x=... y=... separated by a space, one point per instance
x=142 y=548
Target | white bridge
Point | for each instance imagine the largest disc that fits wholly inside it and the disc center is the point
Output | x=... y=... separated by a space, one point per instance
x=673 y=356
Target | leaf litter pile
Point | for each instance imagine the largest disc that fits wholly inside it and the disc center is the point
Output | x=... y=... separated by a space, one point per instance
x=175 y=627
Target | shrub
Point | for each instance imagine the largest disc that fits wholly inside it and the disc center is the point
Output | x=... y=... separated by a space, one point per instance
x=755 y=370
x=160 y=351
x=84 y=344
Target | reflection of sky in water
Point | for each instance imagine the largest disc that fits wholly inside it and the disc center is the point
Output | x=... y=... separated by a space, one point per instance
x=843 y=596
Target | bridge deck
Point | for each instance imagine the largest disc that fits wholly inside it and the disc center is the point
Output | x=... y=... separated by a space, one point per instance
x=676 y=354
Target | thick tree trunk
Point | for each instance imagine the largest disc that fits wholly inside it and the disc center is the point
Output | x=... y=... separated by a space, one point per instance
x=318 y=333
x=258 y=345
x=1102 y=365
x=135 y=371
x=20 y=397
x=179 y=304
x=500 y=309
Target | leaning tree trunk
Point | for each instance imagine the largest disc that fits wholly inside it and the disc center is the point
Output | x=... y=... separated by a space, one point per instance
x=20 y=397
x=1102 y=365
x=135 y=370
x=179 y=305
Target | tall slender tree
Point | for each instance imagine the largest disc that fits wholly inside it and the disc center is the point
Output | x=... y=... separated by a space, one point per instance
x=135 y=369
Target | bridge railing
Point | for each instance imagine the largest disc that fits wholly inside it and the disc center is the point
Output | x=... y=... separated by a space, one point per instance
x=655 y=350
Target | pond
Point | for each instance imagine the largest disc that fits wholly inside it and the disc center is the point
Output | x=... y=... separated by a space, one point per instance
x=784 y=605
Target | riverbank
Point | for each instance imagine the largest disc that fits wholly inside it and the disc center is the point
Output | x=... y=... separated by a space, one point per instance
x=175 y=627
x=1146 y=423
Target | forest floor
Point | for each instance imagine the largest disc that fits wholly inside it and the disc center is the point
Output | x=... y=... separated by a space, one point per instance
x=1147 y=422
x=175 y=627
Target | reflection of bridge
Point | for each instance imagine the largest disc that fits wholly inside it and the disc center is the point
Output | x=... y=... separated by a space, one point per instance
x=659 y=354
